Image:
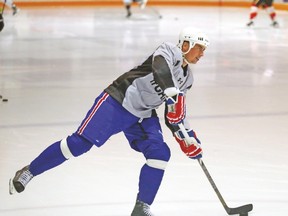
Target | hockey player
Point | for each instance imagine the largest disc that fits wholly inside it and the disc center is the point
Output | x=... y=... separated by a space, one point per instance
x=1 y=22
x=265 y=4
x=1 y=17
x=129 y=105
x=128 y=4
x=11 y=5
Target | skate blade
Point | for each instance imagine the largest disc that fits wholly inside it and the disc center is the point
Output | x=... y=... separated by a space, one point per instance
x=12 y=189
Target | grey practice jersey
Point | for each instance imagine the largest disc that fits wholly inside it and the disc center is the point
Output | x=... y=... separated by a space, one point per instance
x=142 y=89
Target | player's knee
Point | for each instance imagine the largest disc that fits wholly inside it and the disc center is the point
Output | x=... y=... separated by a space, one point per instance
x=158 y=157
x=253 y=9
x=157 y=164
x=158 y=151
x=270 y=9
x=74 y=146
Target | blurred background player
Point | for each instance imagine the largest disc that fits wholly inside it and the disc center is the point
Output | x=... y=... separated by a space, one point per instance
x=265 y=4
x=129 y=105
x=128 y=4
x=10 y=4
x=1 y=22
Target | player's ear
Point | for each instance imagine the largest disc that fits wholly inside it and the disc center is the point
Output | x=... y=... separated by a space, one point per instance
x=185 y=46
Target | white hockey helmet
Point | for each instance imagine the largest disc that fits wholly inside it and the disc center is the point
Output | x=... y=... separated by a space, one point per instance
x=193 y=36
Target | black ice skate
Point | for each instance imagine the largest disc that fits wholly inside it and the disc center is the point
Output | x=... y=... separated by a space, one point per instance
x=275 y=24
x=15 y=10
x=128 y=14
x=251 y=23
x=20 y=180
x=141 y=209
x=128 y=8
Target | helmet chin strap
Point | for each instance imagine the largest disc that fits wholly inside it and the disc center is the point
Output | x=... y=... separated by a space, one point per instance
x=186 y=61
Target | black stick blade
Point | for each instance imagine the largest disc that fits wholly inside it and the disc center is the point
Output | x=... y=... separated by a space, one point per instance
x=240 y=210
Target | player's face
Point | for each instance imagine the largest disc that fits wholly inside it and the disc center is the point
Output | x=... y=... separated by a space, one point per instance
x=194 y=55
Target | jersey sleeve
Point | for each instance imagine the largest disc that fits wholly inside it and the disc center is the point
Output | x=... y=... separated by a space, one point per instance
x=162 y=65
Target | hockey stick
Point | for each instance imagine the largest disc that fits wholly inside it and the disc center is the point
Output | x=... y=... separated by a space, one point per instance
x=242 y=210
x=155 y=11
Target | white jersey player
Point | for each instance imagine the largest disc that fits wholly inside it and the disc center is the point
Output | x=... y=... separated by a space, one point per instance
x=129 y=105
x=11 y=5
x=266 y=5
x=128 y=4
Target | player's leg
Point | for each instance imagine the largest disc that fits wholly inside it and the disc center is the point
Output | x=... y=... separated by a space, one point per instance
x=105 y=118
x=142 y=3
x=253 y=14
x=127 y=4
x=146 y=137
x=272 y=13
x=51 y=157
x=15 y=9
x=11 y=5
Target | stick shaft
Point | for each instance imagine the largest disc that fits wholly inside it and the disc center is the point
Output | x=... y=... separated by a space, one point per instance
x=183 y=130
x=230 y=211
x=204 y=168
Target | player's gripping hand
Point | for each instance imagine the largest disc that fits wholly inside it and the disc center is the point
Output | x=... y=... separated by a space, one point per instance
x=176 y=109
x=190 y=146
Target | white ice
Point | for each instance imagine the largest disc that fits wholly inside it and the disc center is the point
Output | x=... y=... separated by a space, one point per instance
x=55 y=61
